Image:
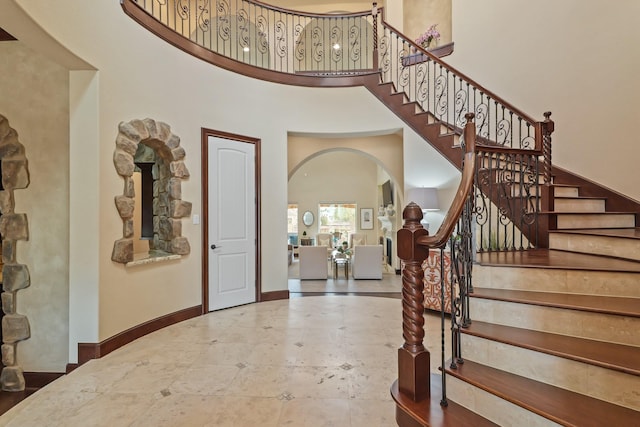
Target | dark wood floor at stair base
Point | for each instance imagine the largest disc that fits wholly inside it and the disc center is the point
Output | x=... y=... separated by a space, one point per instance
x=561 y=406
x=618 y=357
x=432 y=414
x=545 y=258
x=592 y=303
x=9 y=399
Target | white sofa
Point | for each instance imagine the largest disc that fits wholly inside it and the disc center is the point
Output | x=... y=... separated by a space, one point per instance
x=313 y=262
x=367 y=262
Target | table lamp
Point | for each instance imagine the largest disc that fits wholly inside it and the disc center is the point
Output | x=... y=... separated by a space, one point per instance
x=427 y=199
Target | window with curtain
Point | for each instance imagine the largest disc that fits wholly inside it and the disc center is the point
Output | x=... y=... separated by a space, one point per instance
x=292 y=223
x=338 y=219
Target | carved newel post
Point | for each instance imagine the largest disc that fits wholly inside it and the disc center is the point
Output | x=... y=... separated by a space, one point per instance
x=413 y=357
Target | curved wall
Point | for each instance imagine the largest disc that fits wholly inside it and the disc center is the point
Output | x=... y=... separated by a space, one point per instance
x=139 y=75
x=578 y=59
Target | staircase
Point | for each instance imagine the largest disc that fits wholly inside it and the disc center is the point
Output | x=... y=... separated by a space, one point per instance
x=554 y=338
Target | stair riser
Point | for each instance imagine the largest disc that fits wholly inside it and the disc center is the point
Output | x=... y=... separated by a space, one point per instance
x=558 y=280
x=596 y=245
x=569 y=221
x=578 y=205
x=492 y=407
x=605 y=384
x=597 y=326
x=518 y=190
x=566 y=191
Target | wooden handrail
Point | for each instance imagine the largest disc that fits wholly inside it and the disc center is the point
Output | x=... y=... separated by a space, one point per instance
x=463 y=76
x=439 y=239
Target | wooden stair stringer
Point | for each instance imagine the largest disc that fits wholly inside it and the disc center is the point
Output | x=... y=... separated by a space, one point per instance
x=431 y=413
x=444 y=144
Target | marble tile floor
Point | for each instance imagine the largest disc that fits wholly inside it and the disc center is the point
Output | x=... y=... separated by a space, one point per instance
x=312 y=361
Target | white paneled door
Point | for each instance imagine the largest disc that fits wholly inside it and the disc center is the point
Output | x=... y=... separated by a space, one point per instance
x=231 y=223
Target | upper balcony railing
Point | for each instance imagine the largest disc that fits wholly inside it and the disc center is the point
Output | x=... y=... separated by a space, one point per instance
x=331 y=45
x=269 y=37
x=297 y=48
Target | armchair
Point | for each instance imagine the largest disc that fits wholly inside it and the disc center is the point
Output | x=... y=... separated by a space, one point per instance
x=326 y=240
x=357 y=239
x=367 y=262
x=313 y=262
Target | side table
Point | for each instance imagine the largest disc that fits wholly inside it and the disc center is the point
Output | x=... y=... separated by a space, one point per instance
x=337 y=262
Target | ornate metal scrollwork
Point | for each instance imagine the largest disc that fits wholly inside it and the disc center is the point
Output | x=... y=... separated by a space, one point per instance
x=441 y=84
x=203 y=16
x=503 y=132
x=335 y=39
x=243 y=28
x=482 y=119
x=354 y=43
x=461 y=98
x=299 y=51
x=182 y=9
x=223 y=20
x=262 y=25
x=422 y=88
x=404 y=75
x=317 y=35
x=383 y=55
x=281 y=39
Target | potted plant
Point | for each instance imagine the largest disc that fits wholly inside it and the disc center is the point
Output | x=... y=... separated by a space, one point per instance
x=432 y=35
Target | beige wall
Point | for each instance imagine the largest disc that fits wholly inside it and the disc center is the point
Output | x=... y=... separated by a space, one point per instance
x=208 y=97
x=337 y=176
x=421 y=14
x=34 y=96
x=139 y=76
x=385 y=149
x=578 y=59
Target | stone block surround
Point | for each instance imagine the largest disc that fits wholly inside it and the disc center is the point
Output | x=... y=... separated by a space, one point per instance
x=15 y=276
x=168 y=172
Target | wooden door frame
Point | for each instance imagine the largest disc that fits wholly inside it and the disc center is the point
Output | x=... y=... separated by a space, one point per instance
x=205 y=134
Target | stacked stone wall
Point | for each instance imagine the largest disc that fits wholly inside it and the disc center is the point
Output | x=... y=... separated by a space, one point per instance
x=168 y=172
x=15 y=276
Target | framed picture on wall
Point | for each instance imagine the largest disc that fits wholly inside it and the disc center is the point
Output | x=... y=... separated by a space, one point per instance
x=366 y=219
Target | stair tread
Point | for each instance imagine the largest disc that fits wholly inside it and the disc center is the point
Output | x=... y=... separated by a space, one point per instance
x=559 y=405
x=627 y=233
x=579 y=198
x=549 y=258
x=555 y=184
x=586 y=213
x=431 y=413
x=619 y=357
x=625 y=306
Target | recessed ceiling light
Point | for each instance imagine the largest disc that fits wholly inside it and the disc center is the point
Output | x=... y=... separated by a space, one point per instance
x=246 y=48
x=336 y=46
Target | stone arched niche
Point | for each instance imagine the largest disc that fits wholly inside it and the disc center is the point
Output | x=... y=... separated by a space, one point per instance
x=15 y=276
x=168 y=172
